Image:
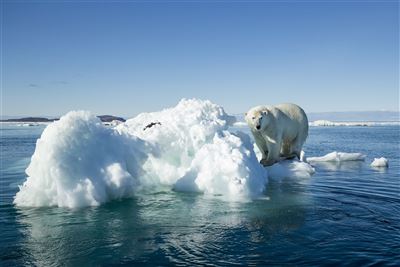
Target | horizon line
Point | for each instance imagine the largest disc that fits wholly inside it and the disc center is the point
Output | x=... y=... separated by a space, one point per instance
x=235 y=113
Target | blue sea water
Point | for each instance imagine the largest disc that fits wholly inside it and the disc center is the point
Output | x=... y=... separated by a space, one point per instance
x=346 y=214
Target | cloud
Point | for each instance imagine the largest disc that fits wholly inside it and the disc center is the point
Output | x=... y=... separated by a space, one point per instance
x=60 y=82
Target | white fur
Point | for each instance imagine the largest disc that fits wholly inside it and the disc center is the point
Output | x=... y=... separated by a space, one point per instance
x=279 y=130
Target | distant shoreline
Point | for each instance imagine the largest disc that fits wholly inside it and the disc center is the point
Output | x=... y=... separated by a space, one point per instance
x=30 y=119
x=103 y=118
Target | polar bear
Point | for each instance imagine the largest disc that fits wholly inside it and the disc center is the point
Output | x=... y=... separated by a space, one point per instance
x=279 y=130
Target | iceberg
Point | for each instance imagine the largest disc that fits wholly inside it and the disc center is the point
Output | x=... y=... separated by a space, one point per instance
x=80 y=162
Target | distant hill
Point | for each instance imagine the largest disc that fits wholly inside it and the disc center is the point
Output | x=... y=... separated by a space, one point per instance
x=30 y=119
x=110 y=118
x=103 y=118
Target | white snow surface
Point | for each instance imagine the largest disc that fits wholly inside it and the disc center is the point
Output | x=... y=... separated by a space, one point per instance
x=226 y=166
x=338 y=157
x=196 y=152
x=79 y=162
x=380 y=162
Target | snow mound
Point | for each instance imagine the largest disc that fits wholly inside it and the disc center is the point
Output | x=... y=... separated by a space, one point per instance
x=227 y=166
x=195 y=152
x=177 y=134
x=79 y=162
x=338 y=157
x=380 y=162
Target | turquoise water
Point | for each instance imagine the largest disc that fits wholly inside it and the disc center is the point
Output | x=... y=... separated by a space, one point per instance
x=347 y=213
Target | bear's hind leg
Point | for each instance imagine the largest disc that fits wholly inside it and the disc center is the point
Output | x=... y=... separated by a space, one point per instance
x=288 y=151
x=298 y=146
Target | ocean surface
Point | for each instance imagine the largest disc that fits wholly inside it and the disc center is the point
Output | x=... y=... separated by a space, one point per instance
x=347 y=213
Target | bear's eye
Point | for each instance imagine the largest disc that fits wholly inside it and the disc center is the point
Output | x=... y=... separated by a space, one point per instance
x=253 y=118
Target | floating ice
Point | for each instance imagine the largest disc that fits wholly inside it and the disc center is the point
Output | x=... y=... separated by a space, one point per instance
x=332 y=123
x=353 y=123
x=290 y=169
x=321 y=123
x=380 y=162
x=338 y=157
x=80 y=162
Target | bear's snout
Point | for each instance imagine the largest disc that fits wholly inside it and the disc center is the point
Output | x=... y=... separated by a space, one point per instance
x=258 y=127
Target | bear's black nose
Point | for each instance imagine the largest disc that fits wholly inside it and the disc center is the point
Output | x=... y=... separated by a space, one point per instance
x=258 y=127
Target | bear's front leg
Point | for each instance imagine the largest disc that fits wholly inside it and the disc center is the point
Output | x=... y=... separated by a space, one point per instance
x=265 y=162
x=264 y=155
x=273 y=153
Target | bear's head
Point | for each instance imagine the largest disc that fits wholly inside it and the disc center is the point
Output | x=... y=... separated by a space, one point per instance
x=257 y=118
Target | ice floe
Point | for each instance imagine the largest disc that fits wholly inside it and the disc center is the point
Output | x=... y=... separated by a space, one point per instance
x=380 y=162
x=338 y=157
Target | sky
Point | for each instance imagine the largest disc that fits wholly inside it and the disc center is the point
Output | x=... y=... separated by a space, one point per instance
x=128 y=57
